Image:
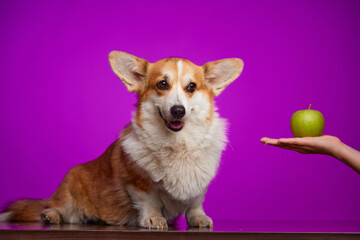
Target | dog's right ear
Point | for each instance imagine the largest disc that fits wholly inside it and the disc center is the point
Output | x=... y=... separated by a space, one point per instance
x=130 y=69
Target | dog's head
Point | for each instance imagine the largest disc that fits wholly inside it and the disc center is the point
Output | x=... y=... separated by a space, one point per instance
x=175 y=88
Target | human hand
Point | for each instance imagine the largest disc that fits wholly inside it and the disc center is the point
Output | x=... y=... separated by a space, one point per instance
x=326 y=144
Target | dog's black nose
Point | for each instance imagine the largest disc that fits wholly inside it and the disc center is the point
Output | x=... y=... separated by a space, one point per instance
x=177 y=111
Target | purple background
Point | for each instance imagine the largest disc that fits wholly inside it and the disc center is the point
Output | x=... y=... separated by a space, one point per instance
x=61 y=104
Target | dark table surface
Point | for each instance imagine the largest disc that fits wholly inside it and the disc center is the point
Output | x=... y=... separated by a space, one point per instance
x=223 y=229
x=219 y=226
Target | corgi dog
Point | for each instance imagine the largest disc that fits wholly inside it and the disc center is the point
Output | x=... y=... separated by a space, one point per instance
x=163 y=161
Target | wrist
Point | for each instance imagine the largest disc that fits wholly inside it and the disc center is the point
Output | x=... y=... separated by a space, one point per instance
x=340 y=152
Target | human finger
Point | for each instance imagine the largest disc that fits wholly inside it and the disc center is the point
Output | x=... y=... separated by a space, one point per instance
x=269 y=141
x=295 y=148
x=264 y=139
x=295 y=141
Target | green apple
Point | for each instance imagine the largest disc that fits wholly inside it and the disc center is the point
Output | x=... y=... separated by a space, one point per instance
x=307 y=123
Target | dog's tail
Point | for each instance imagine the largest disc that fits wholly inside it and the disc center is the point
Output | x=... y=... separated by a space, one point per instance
x=26 y=210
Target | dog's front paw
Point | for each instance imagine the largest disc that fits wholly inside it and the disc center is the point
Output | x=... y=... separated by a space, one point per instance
x=201 y=221
x=156 y=222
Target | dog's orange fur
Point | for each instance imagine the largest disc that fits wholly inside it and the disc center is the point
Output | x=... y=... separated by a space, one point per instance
x=97 y=188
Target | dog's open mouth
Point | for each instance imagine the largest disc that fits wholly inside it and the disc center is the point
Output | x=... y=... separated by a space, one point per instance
x=174 y=126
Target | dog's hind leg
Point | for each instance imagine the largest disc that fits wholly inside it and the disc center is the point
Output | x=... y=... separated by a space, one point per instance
x=66 y=205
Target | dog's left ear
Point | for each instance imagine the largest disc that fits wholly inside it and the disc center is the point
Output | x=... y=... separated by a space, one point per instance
x=129 y=68
x=221 y=73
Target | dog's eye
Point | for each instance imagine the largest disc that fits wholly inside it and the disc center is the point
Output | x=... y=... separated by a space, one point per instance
x=191 y=87
x=163 y=85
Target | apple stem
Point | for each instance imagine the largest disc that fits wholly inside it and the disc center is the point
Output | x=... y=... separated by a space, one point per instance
x=309 y=106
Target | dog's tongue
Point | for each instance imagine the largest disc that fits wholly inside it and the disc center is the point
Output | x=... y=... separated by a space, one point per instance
x=176 y=124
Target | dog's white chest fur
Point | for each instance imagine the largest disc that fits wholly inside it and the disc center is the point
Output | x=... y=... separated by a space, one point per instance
x=182 y=163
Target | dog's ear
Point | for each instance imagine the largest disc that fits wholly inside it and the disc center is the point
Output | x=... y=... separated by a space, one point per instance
x=130 y=69
x=221 y=73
